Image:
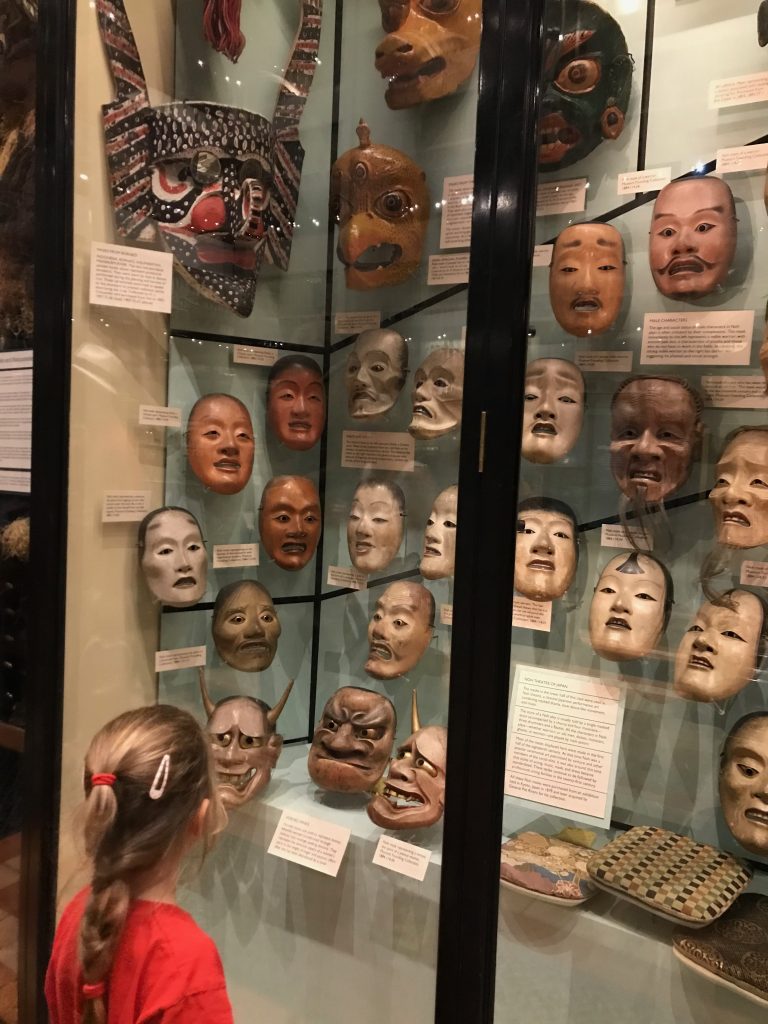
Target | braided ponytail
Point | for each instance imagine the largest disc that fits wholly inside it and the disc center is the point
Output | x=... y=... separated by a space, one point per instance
x=132 y=824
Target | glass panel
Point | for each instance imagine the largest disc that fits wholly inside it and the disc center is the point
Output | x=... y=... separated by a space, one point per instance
x=634 y=661
x=310 y=372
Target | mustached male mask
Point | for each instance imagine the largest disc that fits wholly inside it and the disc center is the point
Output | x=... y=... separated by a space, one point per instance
x=216 y=186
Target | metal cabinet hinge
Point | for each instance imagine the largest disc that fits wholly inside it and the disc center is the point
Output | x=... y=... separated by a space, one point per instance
x=481 y=453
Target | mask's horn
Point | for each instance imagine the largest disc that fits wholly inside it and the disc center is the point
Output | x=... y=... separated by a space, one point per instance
x=415 y=723
x=207 y=702
x=274 y=714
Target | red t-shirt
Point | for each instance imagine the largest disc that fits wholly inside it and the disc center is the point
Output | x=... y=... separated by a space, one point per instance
x=166 y=970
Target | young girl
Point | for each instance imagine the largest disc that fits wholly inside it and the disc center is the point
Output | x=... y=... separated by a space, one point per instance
x=124 y=953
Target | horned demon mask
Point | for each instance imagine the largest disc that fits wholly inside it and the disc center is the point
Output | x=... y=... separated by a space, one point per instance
x=216 y=186
x=352 y=741
x=413 y=793
x=380 y=200
x=430 y=48
x=588 y=75
x=243 y=735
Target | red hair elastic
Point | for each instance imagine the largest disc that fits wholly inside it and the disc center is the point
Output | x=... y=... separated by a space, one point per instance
x=95 y=991
x=103 y=779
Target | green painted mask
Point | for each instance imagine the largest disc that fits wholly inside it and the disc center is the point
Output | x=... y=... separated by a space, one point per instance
x=587 y=80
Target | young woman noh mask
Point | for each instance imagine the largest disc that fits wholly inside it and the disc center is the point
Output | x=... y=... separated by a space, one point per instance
x=546 y=552
x=630 y=607
x=375 y=524
x=554 y=409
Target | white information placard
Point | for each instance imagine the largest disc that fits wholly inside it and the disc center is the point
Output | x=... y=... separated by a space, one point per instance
x=563 y=742
x=16 y=418
x=346 y=576
x=733 y=92
x=738 y=392
x=124 y=506
x=742 y=158
x=529 y=614
x=604 y=362
x=456 y=222
x=309 y=841
x=130 y=278
x=361 y=449
x=21 y=360
x=754 y=574
x=446 y=614
x=254 y=355
x=235 y=556
x=15 y=481
x=612 y=535
x=542 y=255
x=159 y=416
x=643 y=181
x=182 y=657
x=404 y=858
x=452 y=268
x=569 y=196
x=722 y=337
x=353 y=322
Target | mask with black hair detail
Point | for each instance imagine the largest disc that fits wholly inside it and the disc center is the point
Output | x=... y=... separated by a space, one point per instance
x=587 y=83
x=744 y=782
x=546 y=549
x=216 y=186
x=244 y=741
x=656 y=429
x=739 y=497
x=721 y=650
x=375 y=524
x=296 y=402
x=630 y=607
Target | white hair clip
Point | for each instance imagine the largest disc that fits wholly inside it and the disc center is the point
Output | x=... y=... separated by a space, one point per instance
x=160 y=780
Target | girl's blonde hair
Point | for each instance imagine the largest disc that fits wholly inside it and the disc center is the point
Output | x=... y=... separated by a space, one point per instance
x=129 y=829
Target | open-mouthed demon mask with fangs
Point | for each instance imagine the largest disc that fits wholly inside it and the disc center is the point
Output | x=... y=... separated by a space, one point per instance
x=413 y=793
x=214 y=185
x=245 y=743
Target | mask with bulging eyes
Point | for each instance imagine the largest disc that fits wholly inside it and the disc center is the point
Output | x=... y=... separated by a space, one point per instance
x=380 y=201
x=430 y=49
x=413 y=793
x=352 y=741
x=245 y=626
x=400 y=630
x=244 y=742
x=588 y=80
x=438 y=392
x=216 y=186
x=630 y=607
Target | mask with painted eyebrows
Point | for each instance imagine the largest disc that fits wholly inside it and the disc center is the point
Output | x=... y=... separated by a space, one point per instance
x=586 y=278
x=554 y=409
x=693 y=237
x=545 y=552
x=352 y=741
x=629 y=608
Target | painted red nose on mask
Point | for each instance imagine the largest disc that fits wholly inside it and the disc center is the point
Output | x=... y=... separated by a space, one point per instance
x=209 y=214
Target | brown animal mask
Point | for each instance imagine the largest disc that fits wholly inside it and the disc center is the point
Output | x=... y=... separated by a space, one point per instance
x=380 y=200
x=430 y=49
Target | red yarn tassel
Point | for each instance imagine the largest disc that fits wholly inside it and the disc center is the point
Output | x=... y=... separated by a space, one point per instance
x=221 y=27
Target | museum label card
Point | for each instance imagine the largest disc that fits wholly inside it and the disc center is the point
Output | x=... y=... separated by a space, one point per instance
x=346 y=576
x=542 y=255
x=612 y=535
x=531 y=614
x=131 y=278
x=16 y=418
x=15 y=481
x=182 y=657
x=404 y=858
x=446 y=614
x=721 y=337
x=21 y=360
x=563 y=743
x=159 y=416
x=452 y=268
x=604 y=362
x=733 y=92
x=235 y=556
x=354 y=321
x=569 y=196
x=643 y=181
x=740 y=392
x=124 y=506
x=254 y=355
x=754 y=573
x=456 y=222
x=361 y=449
x=311 y=842
x=742 y=158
